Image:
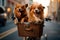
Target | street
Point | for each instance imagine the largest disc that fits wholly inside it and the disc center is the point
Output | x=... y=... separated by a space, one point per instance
x=9 y=25
x=51 y=30
x=47 y=9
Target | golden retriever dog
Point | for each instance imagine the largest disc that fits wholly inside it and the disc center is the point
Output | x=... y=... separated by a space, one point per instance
x=21 y=13
x=36 y=13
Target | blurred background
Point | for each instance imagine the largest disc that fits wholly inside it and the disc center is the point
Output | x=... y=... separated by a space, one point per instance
x=51 y=7
x=8 y=29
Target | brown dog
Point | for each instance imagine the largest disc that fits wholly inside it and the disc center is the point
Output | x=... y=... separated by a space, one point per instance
x=36 y=13
x=21 y=13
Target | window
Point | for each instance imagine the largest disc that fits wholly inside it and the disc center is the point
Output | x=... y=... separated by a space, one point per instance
x=2 y=2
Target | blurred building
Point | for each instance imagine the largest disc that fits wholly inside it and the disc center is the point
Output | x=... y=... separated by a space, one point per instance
x=53 y=9
x=58 y=10
x=3 y=3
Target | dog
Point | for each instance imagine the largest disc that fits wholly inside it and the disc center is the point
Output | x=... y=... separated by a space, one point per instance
x=36 y=13
x=21 y=13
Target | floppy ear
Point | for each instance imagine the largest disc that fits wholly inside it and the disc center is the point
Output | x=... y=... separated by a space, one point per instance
x=26 y=5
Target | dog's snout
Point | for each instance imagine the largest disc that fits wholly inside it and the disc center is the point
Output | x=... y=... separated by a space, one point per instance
x=37 y=11
x=20 y=10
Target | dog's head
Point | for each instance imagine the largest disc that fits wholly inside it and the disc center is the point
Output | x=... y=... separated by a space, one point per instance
x=20 y=11
x=37 y=10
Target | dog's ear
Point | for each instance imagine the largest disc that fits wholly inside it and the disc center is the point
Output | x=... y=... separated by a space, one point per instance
x=31 y=7
x=26 y=5
x=42 y=6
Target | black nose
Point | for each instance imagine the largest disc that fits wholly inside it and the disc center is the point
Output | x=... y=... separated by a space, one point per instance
x=20 y=10
x=37 y=11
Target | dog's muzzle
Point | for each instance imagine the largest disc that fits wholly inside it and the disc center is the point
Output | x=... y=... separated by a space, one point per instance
x=22 y=13
x=20 y=10
x=37 y=11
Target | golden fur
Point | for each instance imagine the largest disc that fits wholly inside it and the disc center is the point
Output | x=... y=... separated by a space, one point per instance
x=33 y=17
x=21 y=16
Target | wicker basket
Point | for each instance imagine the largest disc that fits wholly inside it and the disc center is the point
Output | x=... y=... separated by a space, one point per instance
x=30 y=29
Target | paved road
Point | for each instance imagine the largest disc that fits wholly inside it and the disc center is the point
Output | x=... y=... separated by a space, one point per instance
x=9 y=25
x=52 y=30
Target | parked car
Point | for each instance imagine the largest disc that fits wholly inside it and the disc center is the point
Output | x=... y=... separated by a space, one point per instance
x=3 y=16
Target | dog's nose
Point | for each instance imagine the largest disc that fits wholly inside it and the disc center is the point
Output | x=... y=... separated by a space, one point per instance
x=37 y=11
x=20 y=10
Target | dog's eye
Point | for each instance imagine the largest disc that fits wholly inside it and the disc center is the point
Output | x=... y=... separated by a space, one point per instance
x=41 y=9
x=17 y=8
x=33 y=8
